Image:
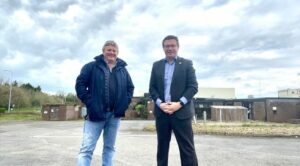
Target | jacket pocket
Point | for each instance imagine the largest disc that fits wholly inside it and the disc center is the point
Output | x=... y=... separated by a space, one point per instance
x=95 y=111
x=92 y=109
x=89 y=106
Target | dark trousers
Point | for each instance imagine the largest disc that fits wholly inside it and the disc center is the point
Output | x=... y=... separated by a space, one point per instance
x=182 y=129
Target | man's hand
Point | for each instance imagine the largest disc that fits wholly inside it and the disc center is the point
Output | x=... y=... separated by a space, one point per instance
x=170 y=107
x=165 y=107
x=174 y=106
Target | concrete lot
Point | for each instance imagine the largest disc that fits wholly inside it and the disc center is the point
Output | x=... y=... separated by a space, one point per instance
x=57 y=144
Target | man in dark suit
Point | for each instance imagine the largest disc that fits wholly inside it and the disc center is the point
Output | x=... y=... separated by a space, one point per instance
x=173 y=84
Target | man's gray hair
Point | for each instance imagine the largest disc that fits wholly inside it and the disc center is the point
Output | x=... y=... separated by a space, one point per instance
x=110 y=43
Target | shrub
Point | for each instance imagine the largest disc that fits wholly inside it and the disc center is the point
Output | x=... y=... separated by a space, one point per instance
x=141 y=109
x=2 y=110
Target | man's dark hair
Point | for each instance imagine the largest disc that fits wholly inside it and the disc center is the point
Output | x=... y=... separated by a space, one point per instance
x=170 y=37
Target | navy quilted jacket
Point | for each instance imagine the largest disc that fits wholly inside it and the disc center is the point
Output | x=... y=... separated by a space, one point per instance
x=92 y=88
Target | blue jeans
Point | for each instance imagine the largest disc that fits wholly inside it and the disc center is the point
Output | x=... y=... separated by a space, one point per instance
x=91 y=134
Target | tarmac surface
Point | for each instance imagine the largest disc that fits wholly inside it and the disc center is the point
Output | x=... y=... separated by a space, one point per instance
x=56 y=143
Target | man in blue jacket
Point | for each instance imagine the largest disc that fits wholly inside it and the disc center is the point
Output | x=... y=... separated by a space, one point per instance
x=105 y=87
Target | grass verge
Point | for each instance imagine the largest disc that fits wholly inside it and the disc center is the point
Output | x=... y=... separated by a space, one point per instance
x=251 y=128
x=23 y=114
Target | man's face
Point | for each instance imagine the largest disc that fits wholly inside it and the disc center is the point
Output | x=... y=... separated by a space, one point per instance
x=110 y=53
x=170 y=48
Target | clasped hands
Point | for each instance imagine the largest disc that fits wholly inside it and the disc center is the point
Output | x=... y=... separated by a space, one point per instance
x=170 y=107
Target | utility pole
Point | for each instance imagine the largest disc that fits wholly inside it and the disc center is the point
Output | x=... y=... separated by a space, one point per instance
x=10 y=89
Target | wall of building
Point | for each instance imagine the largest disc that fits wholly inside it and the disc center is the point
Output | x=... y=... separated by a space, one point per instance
x=283 y=110
x=60 y=112
x=223 y=93
x=289 y=93
x=130 y=113
x=150 y=109
x=259 y=111
x=228 y=113
x=276 y=110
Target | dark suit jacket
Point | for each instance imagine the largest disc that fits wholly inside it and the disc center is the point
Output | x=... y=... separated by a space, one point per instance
x=184 y=83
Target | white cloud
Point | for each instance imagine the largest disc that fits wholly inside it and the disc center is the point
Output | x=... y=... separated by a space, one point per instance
x=21 y=20
x=249 y=45
x=244 y=55
x=17 y=59
x=269 y=20
x=73 y=12
x=57 y=76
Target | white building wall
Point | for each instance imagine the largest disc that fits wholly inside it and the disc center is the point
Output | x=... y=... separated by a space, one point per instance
x=223 y=93
x=289 y=93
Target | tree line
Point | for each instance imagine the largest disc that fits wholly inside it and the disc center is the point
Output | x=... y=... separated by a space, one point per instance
x=27 y=95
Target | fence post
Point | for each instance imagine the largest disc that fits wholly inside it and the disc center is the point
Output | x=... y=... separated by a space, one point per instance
x=220 y=115
x=204 y=116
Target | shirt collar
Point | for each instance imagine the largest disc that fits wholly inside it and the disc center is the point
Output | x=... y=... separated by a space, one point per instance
x=176 y=57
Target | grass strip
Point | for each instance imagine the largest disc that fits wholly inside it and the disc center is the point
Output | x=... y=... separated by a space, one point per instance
x=252 y=128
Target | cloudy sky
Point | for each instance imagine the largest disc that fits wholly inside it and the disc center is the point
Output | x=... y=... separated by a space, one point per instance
x=250 y=45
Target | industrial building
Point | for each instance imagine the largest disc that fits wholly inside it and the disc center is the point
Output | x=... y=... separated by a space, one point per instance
x=289 y=93
x=219 y=93
x=261 y=109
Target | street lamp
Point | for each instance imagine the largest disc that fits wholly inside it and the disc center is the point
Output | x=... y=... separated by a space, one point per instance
x=10 y=88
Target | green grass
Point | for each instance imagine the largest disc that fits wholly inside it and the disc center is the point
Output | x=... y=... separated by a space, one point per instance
x=21 y=114
x=251 y=128
x=34 y=109
x=2 y=110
